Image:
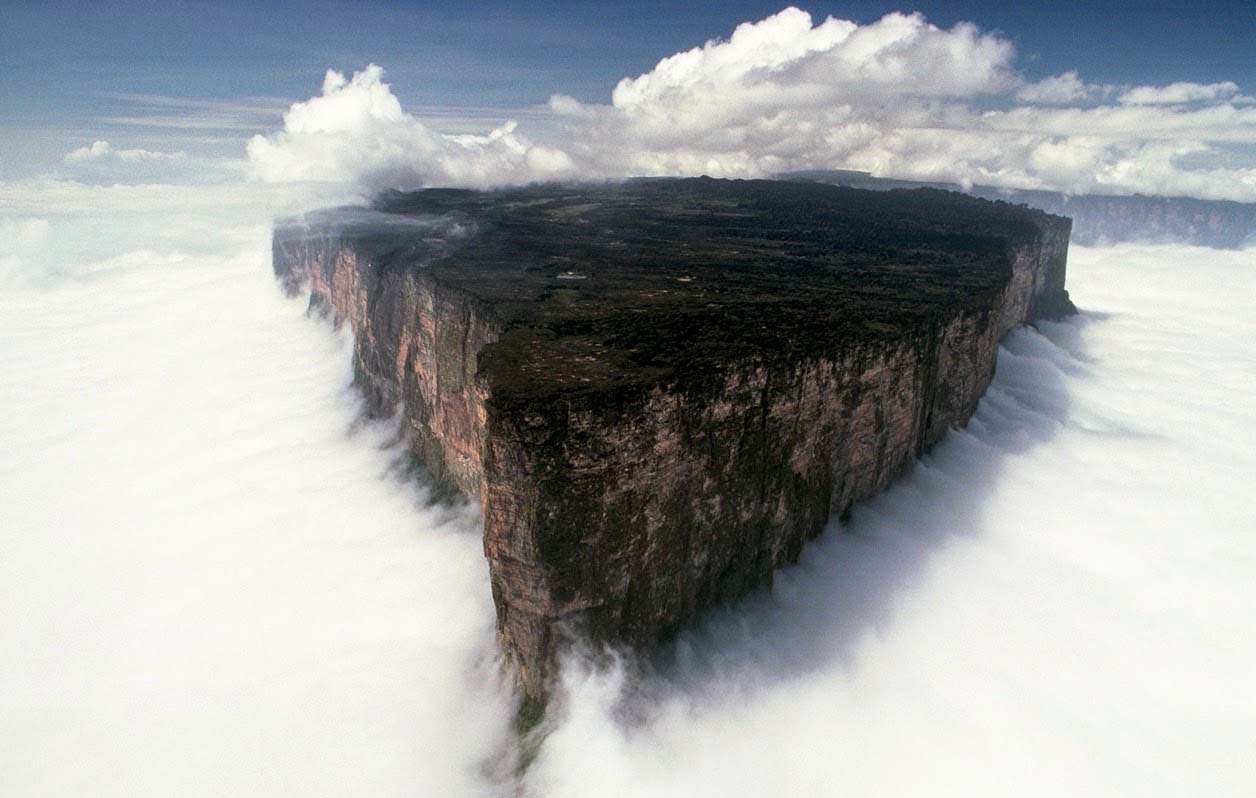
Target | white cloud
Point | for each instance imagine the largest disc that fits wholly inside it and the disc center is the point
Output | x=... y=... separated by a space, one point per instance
x=209 y=561
x=53 y=228
x=357 y=132
x=1063 y=89
x=997 y=623
x=103 y=151
x=899 y=97
x=160 y=111
x=898 y=55
x=102 y=162
x=20 y=240
x=782 y=93
x=1179 y=93
x=19 y=235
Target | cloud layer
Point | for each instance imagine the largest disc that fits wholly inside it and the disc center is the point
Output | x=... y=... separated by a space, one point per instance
x=217 y=586
x=1054 y=602
x=218 y=583
x=216 y=579
x=898 y=97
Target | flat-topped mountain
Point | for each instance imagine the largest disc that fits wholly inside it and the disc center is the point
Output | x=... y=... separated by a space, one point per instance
x=659 y=389
x=1097 y=218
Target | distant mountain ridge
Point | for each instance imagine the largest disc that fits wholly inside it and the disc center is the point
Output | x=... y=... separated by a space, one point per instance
x=1097 y=218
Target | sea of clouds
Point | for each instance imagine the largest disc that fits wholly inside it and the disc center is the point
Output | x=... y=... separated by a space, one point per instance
x=217 y=579
x=1056 y=601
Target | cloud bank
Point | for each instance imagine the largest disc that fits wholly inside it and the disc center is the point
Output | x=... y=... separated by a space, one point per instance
x=898 y=97
x=217 y=583
x=216 y=579
x=1054 y=602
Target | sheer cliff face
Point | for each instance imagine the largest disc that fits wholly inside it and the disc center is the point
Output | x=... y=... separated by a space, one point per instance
x=626 y=508
x=636 y=520
x=415 y=347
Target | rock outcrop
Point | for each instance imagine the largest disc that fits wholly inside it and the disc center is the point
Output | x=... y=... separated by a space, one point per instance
x=659 y=390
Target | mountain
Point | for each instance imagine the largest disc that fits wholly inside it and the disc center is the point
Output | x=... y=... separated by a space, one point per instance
x=659 y=390
x=1097 y=219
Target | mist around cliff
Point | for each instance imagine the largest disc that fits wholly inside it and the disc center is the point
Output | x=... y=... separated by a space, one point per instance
x=1055 y=601
x=218 y=579
x=215 y=578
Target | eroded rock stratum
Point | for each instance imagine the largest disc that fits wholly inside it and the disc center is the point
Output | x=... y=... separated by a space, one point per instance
x=659 y=390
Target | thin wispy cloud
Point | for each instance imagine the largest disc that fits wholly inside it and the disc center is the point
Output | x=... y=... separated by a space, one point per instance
x=104 y=151
x=194 y=113
x=462 y=119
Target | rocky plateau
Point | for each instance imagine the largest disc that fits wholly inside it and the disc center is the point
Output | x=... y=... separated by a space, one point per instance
x=659 y=390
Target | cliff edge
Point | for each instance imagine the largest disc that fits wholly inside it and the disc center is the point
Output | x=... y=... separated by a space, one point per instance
x=659 y=390
x=1098 y=219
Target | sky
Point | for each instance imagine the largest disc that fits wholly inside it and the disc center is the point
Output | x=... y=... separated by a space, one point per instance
x=217 y=579
x=199 y=78
x=60 y=57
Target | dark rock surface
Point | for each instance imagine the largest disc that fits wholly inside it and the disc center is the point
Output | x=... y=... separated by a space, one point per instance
x=1098 y=218
x=659 y=390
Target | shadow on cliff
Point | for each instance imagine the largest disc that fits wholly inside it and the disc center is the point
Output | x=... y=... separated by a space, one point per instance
x=851 y=579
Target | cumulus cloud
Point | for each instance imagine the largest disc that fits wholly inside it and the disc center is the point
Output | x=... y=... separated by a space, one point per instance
x=357 y=132
x=782 y=93
x=1179 y=93
x=1063 y=89
x=899 y=97
x=901 y=54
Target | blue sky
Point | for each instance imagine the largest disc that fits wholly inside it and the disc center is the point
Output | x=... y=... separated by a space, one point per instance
x=203 y=77
x=64 y=62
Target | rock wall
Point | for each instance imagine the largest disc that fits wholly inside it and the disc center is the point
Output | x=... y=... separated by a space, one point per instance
x=415 y=346
x=625 y=513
